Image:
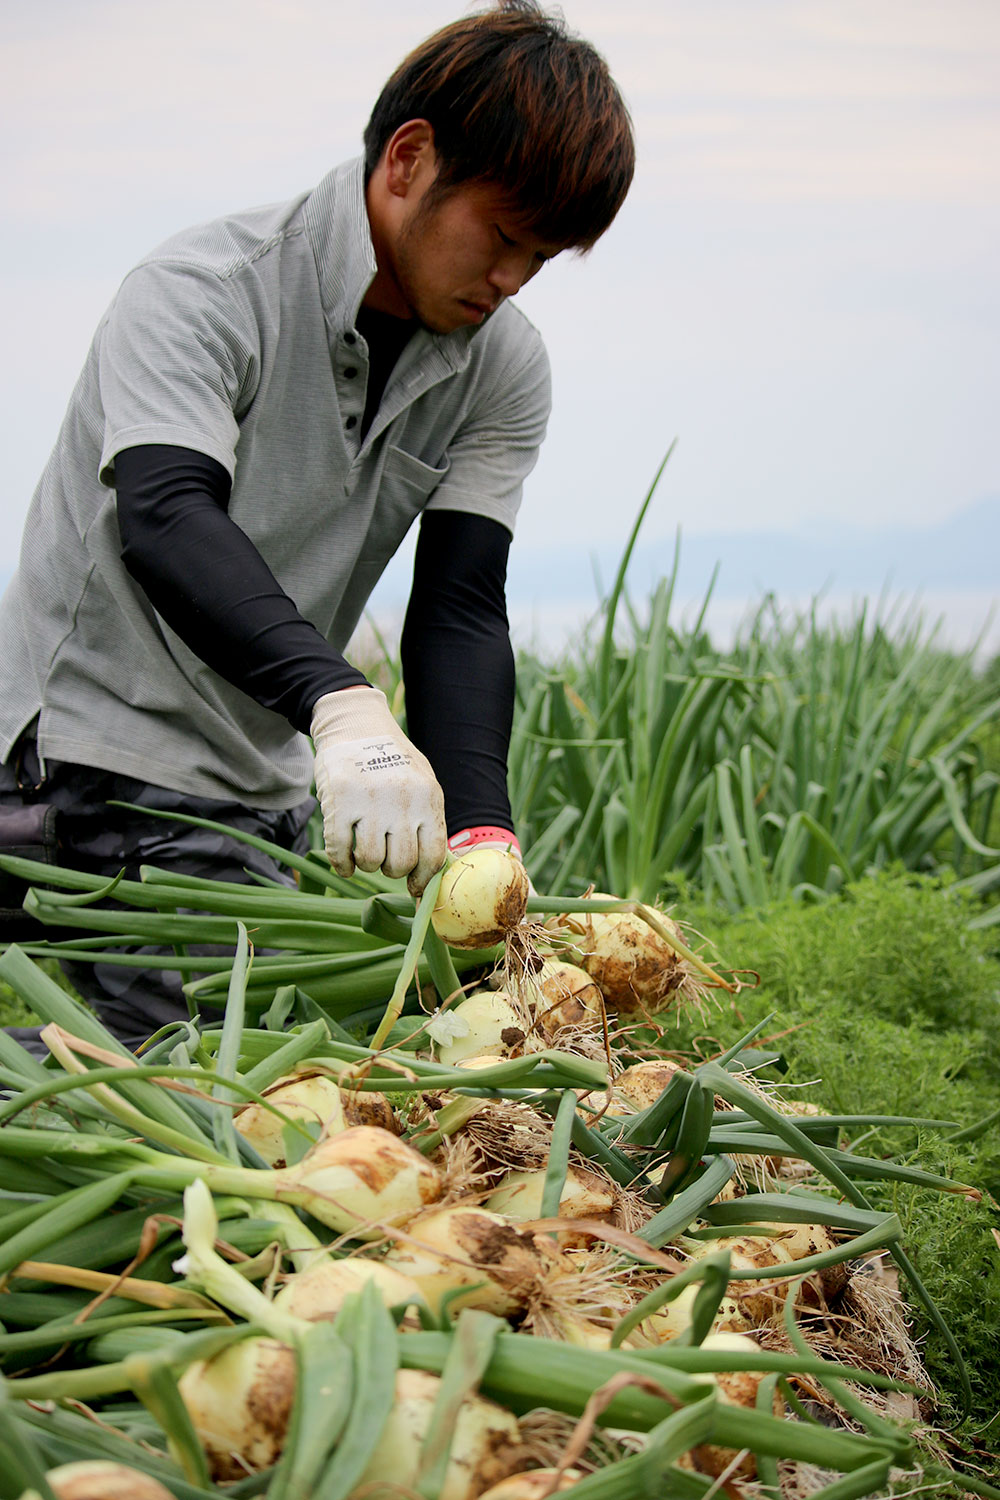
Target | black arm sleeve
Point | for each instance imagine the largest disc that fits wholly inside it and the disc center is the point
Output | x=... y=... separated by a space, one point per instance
x=207 y=580
x=458 y=665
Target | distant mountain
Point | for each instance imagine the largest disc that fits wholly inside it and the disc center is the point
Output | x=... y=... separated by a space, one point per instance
x=958 y=555
x=957 y=558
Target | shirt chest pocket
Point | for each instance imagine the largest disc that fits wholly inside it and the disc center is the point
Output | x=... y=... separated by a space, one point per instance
x=406 y=485
x=404 y=470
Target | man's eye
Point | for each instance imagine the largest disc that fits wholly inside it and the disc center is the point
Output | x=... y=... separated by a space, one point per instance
x=505 y=239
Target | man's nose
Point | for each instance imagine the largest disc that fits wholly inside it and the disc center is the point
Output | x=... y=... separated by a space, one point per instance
x=509 y=274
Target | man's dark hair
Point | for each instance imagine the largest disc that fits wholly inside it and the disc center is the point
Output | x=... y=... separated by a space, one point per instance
x=516 y=102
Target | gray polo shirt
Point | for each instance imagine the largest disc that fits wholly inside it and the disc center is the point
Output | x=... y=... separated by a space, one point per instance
x=237 y=338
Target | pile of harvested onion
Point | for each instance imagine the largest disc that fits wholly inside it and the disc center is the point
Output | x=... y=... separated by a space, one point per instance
x=515 y=1263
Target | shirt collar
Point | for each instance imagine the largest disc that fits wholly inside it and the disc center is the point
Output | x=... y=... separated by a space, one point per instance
x=337 y=225
x=336 y=221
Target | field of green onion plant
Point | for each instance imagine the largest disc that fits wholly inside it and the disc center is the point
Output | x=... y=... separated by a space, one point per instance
x=728 y=1224
x=807 y=756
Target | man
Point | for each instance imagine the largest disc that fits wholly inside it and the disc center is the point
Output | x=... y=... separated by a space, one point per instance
x=268 y=404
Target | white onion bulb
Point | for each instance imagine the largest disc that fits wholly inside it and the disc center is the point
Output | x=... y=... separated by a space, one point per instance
x=361 y=1178
x=736 y=1388
x=100 y=1479
x=483 y=896
x=532 y=1484
x=643 y=1083
x=566 y=995
x=313 y=1100
x=495 y=1028
x=318 y=1292
x=635 y=969
x=465 y=1246
x=674 y=1318
x=486 y=1443
x=585 y=1195
x=240 y=1402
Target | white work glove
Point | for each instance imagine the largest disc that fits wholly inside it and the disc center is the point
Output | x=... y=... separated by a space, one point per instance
x=382 y=807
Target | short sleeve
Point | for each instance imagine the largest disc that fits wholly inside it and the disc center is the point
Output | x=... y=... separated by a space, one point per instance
x=178 y=358
x=497 y=446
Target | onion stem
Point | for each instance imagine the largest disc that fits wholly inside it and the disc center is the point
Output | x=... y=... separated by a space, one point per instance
x=408 y=967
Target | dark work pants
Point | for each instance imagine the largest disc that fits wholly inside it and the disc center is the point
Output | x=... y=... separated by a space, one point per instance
x=103 y=840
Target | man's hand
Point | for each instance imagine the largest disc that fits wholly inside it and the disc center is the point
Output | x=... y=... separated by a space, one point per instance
x=382 y=807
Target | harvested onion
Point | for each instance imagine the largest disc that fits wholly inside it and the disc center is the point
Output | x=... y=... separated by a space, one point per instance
x=495 y=1028
x=240 y=1402
x=566 y=995
x=483 y=897
x=466 y=1246
x=485 y=1444
x=635 y=969
x=799 y=1240
x=644 y=1082
x=100 y=1479
x=756 y=1300
x=361 y=1179
x=674 y=1318
x=318 y=1292
x=533 y=1484
x=585 y=1195
x=736 y=1388
x=308 y=1100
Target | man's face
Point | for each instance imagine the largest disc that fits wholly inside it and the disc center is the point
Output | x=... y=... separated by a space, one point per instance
x=458 y=256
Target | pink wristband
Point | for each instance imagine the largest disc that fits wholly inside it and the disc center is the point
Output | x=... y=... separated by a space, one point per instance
x=468 y=838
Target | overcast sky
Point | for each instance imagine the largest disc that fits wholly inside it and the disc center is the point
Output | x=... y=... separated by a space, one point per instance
x=802 y=288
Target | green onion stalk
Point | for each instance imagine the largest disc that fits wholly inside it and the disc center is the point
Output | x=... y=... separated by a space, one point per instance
x=331 y=1182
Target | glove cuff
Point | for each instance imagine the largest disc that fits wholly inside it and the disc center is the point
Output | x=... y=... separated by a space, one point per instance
x=468 y=838
x=353 y=713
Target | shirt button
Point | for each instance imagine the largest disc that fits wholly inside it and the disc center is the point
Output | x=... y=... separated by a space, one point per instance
x=350 y=372
x=351 y=422
x=350 y=338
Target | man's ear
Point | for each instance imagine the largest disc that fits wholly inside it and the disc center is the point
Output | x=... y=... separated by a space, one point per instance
x=410 y=160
